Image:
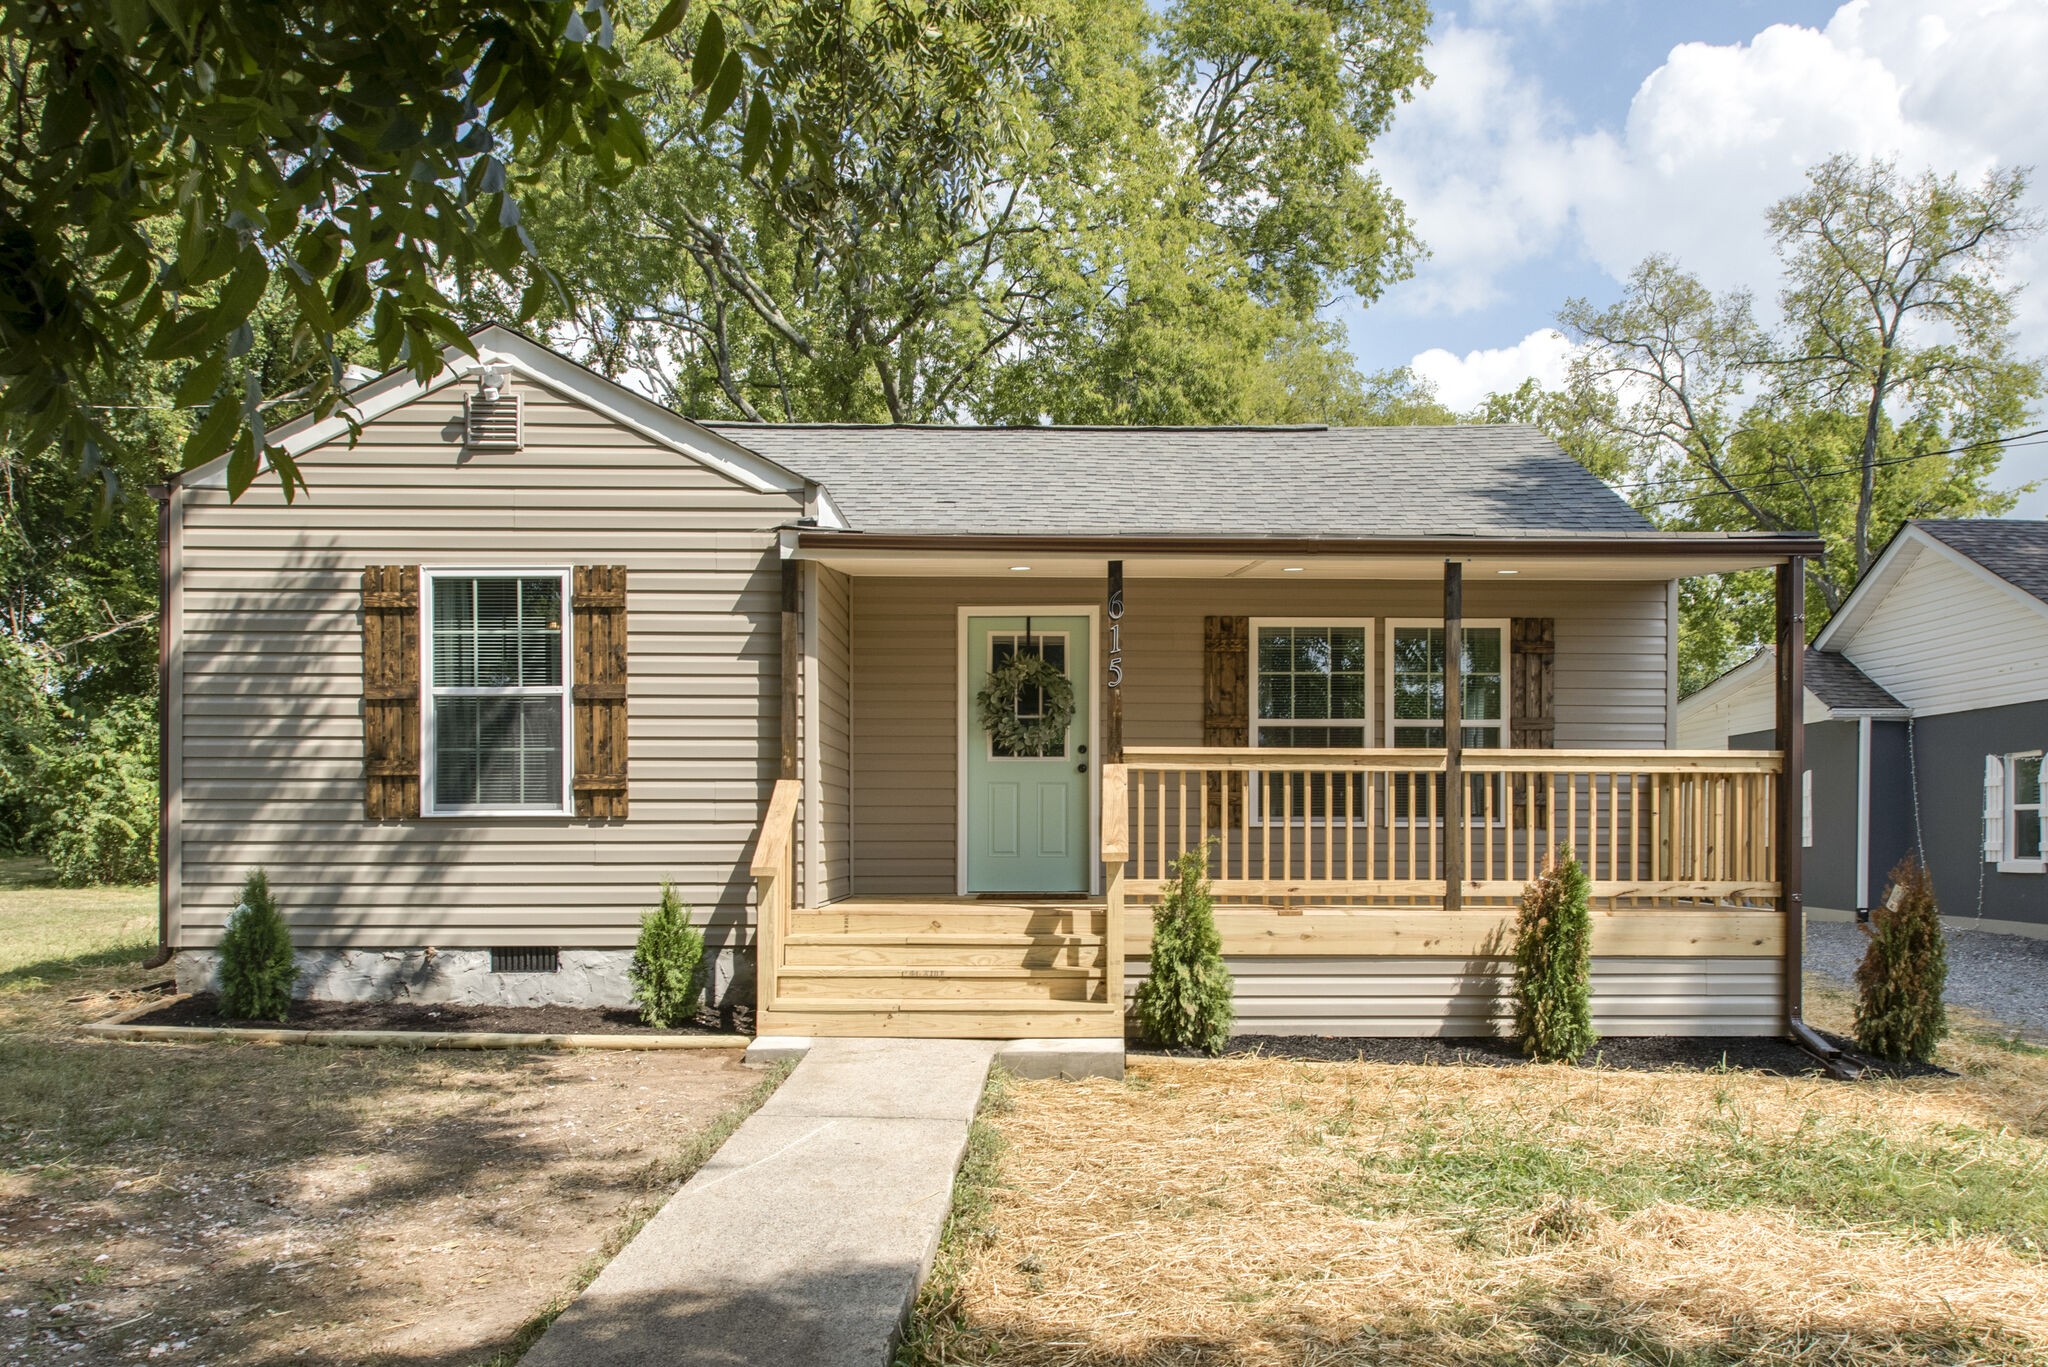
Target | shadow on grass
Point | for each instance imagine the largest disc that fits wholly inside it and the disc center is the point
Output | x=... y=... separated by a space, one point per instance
x=247 y=1142
x=55 y=971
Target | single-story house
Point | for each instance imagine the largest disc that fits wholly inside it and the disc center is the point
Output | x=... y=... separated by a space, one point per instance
x=1926 y=716
x=918 y=719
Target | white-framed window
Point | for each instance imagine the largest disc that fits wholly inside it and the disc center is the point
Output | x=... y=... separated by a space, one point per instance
x=1415 y=697
x=1311 y=690
x=1050 y=646
x=2022 y=846
x=496 y=711
x=1415 y=684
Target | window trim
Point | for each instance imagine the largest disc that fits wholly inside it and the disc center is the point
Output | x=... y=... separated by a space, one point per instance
x=566 y=690
x=2007 y=864
x=1499 y=724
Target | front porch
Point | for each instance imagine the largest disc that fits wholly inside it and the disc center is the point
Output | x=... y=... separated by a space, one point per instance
x=1328 y=871
x=1365 y=871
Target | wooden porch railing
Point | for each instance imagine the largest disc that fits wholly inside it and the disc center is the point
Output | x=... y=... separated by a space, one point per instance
x=774 y=871
x=1288 y=826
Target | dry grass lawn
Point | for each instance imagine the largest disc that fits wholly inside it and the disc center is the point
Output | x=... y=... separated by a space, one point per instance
x=231 y=1204
x=1245 y=1211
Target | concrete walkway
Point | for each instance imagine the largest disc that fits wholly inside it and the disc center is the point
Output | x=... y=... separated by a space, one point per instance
x=803 y=1241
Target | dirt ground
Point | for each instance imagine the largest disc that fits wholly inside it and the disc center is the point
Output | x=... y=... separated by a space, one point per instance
x=1358 y=1214
x=233 y=1204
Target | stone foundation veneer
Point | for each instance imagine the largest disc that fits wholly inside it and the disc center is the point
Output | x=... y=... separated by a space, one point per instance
x=587 y=977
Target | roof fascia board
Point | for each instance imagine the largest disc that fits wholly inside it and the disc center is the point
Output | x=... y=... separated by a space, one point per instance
x=1763 y=548
x=500 y=345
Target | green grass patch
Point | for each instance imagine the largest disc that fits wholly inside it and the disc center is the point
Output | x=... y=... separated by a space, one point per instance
x=1961 y=1180
x=49 y=935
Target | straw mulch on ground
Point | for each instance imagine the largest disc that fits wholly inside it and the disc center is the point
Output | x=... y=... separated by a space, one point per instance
x=1246 y=1211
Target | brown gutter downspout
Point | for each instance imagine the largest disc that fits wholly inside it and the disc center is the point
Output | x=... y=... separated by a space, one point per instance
x=162 y=494
x=1791 y=742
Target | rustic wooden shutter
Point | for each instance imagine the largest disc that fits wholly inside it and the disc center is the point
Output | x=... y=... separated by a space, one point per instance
x=1532 y=700
x=1532 y=721
x=599 y=605
x=391 y=692
x=1226 y=699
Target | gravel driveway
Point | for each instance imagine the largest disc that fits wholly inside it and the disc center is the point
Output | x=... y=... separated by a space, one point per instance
x=2002 y=976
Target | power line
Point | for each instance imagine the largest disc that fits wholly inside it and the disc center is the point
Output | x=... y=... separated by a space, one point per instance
x=2015 y=440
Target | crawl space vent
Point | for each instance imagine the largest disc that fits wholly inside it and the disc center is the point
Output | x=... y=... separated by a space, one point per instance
x=525 y=960
x=493 y=423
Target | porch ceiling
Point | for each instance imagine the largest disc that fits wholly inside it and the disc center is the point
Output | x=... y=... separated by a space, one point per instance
x=1657 y=556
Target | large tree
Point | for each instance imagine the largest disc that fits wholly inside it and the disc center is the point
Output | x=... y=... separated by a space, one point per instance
x=1082 y=210
x=1877 y=394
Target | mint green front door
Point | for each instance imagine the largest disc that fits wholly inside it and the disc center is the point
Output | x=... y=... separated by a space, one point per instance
x=1027 y=814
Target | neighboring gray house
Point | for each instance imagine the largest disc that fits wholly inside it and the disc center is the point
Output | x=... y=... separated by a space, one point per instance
x=533 y=644
x=1926 y=718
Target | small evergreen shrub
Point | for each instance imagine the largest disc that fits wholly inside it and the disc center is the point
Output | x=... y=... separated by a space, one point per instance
x=1184 y=1003
x=665 y=963
x=1904 y=973
x=256 y=968
x=1554 y=964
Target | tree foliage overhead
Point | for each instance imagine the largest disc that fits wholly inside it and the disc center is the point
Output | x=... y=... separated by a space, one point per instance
x=1084 y=210
x=170 y=163
x=1879 y=393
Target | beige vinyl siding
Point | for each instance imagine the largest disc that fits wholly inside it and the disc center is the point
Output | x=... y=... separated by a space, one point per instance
x=270 y=719
x=1611 y=680
x=832 y=733
x=1948 y=638
x=1419 y=996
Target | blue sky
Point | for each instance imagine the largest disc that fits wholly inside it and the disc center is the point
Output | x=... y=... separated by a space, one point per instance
x=1564 y=140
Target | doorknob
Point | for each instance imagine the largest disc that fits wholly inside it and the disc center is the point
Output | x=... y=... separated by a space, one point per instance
x=1082 y=767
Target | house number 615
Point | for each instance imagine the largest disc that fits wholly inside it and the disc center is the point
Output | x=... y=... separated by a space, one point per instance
x=1115 y=677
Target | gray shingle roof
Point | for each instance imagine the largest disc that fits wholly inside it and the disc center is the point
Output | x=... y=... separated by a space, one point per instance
x=2016 y=551
x=1841 y=685
x=1496 y=480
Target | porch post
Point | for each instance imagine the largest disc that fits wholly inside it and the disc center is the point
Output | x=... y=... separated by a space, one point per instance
x=1791 y=742
x=1113 y=670
x=792 y=668
x=1454 y=727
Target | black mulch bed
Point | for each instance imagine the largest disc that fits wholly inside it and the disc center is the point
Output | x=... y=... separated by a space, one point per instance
x=1636 y=1054
x=204 y=1009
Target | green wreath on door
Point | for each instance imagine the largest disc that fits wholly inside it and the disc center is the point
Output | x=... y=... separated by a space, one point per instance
x=997 y=704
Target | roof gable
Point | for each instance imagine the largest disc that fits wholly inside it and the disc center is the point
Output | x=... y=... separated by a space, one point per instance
x=497 y=345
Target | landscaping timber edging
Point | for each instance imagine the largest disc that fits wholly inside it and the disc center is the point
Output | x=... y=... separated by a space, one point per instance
x=122 y=1027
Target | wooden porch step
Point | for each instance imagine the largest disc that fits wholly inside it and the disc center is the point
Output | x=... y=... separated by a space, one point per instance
x=945 y=1020
x=967 y=920
x=944 y=951
x=884 y=986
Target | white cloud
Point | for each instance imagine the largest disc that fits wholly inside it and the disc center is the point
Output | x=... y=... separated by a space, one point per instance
x=1498 y=177
x=1488 y=169
x=1462 y=381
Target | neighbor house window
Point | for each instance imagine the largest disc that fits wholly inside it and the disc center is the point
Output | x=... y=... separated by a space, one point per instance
x=497 y=705
x=1311 y=684
x=1415 y=696
x=2022 y=814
